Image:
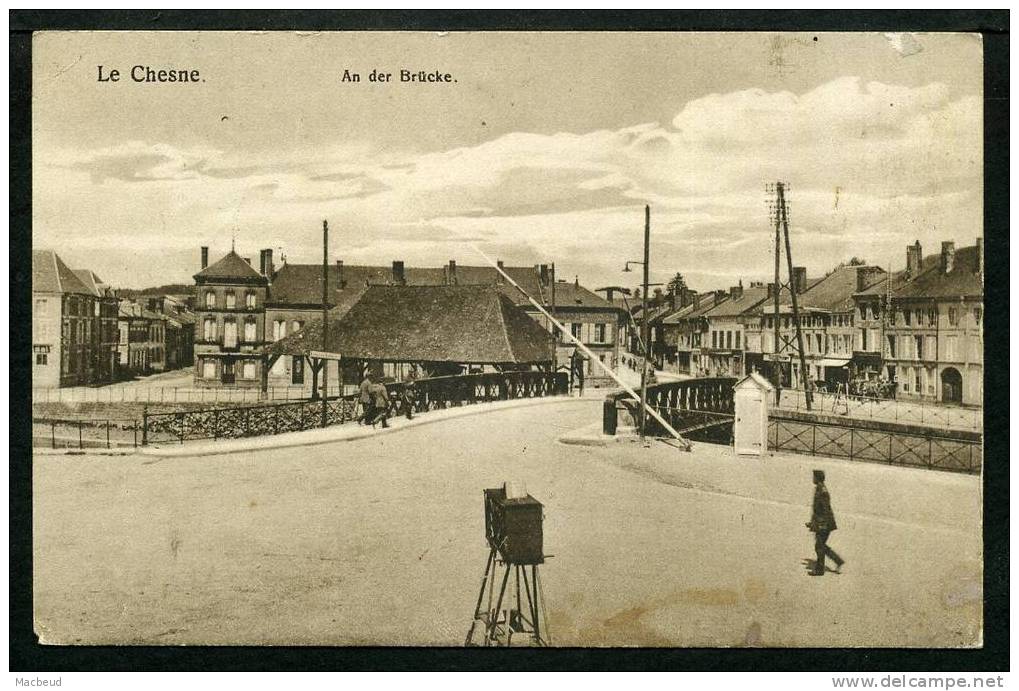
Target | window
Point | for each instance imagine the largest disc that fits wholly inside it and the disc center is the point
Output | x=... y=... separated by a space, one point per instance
x=210 y=300
x=728 y=339
x=891 y=346
x=977 y=314
x=575 y=330
x=248 y=370
x=209 y=369
x=249 y=301
x=931 y=347
x=891 y=316
x=953 y=316
x=918 y=314
x=599 y=333
x=907 y=380
x=210 y=330
x=714 y=339
x=231 y=300
x=820 y=348
x=918 y=350
x=863 y=339
x=737 y=340
x=931 y=378
x=41 y=358
x=906 y=317
x=919 y=385
x=950 y=346
x=229 y=334
x=279 y=329
x=249 y=331
x=932 y=317
x=296 y=326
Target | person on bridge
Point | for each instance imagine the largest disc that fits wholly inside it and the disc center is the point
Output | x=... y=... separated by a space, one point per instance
x=365 y=399
x=822 y=523
x=380 y=405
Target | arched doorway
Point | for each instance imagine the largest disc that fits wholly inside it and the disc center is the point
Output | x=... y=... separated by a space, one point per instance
x=951 y=385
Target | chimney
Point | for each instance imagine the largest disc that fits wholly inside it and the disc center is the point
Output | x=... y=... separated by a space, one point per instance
x=697 y=301
x=261 y=262
x=980 y=256
x=947 y=256
x=398 y=276
x=269 y=269
x=451 y=273
x=914 y=259
x=771 y=291
x=498 y=274
x=340 y=283
x=736 y=292
x=248 y=260
x=205 y=257
x=543 y=274
x=800 y=279
x=865 y=276
x=719 y=296
x=677 y=299
x=500 y=264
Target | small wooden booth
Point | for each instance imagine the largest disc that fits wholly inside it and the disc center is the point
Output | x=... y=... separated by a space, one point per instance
x=750 y=428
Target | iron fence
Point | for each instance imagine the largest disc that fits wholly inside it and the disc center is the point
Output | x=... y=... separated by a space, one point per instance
x=119 y=393
x=959 y=453
x=429 y=394
x=85 y=433
x=891 y=410
x=683 y=403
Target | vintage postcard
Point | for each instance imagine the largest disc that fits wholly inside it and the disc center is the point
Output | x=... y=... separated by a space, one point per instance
x=595 y=339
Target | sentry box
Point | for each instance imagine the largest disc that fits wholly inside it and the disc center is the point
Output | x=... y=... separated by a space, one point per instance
x=513 y=526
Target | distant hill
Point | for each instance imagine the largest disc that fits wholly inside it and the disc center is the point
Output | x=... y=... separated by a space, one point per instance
x=168 y=289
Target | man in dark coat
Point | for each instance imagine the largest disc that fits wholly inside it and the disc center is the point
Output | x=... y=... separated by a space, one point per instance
x=365 y=398
x=380 y=402
x=822 y=522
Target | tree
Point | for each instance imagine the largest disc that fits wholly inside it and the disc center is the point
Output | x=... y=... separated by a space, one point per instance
x=856 y=261
x=676 y=284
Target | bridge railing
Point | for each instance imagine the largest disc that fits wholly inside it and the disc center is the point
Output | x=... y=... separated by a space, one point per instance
x=429 y=394
x=678 y=402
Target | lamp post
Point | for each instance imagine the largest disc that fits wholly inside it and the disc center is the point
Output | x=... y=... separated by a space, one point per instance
x=644 y=320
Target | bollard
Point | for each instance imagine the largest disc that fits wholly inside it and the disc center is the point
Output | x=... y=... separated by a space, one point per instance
x=609 y=417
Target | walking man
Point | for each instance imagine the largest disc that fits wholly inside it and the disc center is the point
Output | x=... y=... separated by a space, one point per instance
x=365 y=398
x=822 y=522
x=380 y=404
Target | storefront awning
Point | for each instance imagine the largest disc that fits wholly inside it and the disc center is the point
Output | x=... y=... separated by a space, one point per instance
x=834 y=362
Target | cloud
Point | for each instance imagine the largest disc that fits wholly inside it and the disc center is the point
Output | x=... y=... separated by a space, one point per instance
x=870 y=165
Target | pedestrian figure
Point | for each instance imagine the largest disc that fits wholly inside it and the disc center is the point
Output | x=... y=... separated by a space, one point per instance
x=380 y=405
x=365 y=398
x=409 y=396
x=822 y=523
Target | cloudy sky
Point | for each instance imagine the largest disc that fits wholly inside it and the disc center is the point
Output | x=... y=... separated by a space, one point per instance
x=545 y=148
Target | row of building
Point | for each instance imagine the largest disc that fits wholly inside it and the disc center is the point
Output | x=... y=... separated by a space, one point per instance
x=241 y=310
x=84 y=334
x=916 y=333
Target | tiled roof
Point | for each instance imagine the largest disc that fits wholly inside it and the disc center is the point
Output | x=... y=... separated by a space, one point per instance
x=834 y=292
x=51 y=275
x=231 y=266
x=707 y=303
x=962 y=281
x=750 y=299
x=463 y=324
x=301 y=284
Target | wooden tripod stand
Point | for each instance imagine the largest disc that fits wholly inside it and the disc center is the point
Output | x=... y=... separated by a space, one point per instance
x=500 y=625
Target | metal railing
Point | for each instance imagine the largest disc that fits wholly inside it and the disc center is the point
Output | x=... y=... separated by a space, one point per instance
x=85 y=433
x=890 y=410
x=429 y=394
x=176 y=394
x=960 y=453
x=682 y=403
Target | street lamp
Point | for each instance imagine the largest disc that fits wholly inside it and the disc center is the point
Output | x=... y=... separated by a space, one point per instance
x=644 y=319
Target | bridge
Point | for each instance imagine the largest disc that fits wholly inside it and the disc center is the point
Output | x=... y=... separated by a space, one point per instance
x=690 y=406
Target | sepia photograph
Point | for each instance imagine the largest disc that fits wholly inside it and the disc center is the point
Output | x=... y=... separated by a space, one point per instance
x=603 y=339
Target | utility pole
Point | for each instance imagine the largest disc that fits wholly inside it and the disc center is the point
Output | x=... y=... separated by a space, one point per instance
x=776 y=363
x=325 y=317
x=555 y=335
x=644 y=324
x=784 y=217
